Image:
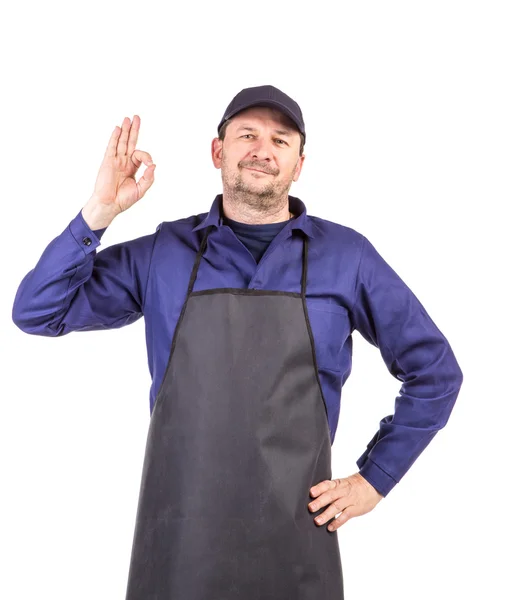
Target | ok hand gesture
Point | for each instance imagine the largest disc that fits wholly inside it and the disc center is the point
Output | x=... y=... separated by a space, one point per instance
x=116 y=189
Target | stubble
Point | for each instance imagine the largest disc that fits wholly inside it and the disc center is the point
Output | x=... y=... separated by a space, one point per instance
x=258 y=197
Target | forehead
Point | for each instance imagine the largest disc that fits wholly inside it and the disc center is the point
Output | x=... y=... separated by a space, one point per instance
x=264 y=113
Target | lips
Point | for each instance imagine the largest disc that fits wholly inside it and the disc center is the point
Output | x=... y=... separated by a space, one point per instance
x=257 y=170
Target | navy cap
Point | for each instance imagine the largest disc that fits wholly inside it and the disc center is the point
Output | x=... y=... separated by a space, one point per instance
x=265 y=95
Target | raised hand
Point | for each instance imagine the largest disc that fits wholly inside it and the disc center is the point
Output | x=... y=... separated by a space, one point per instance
x=116 y=189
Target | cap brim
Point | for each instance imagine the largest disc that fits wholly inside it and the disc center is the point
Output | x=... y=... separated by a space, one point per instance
x=271 y=104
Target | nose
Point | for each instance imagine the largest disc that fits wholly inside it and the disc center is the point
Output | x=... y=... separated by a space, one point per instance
x=262 y=149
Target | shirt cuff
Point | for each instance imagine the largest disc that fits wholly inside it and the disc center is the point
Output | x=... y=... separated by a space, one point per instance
x=85 y=237
x=375 y=475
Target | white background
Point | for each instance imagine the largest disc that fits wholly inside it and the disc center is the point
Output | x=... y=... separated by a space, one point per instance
x=408 y=112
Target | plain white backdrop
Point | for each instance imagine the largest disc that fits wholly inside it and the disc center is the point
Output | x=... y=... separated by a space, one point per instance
x=408 y=113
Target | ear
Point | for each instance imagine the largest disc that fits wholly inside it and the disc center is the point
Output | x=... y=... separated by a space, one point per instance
x=217 y=152
x=299 y=166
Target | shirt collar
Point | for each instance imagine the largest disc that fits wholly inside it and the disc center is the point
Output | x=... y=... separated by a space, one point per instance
x=301 y=221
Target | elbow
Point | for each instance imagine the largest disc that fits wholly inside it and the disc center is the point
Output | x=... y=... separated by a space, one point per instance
x=457 y=373
x=454 y=381
x=21 y=314
x=33 y=316
x=18 y=318
x=459 y=378
x=448 y=374
x=28 y=323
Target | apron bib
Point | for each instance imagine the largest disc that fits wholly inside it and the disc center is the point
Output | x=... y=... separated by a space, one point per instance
x=237 y=437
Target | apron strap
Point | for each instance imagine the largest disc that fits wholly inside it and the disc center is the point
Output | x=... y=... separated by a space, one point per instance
x=305 y=263
x=199 y=254
x=203 y=246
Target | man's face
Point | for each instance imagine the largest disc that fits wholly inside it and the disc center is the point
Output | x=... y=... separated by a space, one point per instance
x=259 y=139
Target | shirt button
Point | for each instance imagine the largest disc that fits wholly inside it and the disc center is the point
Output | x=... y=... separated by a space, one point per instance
x=87 y=241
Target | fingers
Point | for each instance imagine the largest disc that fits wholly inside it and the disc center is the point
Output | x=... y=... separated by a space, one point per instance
x=122 y=143
x=330 y=512
x=349 y=494
x=323 y=486
x=139 y=156
x=346 y=514
x=321 y=501
x=134 y=133
x=126 y=142
x=326 y=492
x=145 y=182
x=113 y=142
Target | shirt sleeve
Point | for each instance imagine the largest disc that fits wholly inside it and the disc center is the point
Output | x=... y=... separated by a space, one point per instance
x=74 y=288
x=389 y=316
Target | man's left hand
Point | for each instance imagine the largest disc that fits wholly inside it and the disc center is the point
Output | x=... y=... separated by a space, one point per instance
x=352 y=496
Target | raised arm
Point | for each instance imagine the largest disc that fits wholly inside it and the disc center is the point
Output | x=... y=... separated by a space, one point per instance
x=73 y=288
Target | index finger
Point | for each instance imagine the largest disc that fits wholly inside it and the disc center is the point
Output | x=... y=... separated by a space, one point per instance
x=113 y=142
x=320 y=487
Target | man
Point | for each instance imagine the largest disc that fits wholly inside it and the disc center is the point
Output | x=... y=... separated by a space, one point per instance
x=249 y=311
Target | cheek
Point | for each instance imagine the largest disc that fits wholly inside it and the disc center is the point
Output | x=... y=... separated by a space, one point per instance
x=229 y=164
x=232 y=160
x=291 y=168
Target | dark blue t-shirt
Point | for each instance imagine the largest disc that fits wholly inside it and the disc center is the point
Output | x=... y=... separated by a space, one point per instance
x=256 y=238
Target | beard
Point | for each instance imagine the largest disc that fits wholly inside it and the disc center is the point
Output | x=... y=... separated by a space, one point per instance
x=259 y=195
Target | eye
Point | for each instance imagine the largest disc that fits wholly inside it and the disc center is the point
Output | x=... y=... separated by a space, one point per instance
x=277 y=139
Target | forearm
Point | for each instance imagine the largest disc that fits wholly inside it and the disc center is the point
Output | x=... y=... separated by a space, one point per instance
x=44 y=293
x=422 y=408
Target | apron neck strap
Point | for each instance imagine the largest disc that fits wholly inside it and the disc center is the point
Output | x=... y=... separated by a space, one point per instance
x=305 y=265
x=199 y=254
x=203 y=246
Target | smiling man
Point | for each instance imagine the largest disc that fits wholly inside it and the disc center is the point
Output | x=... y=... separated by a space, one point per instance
x=249 y=311
x=256 y=186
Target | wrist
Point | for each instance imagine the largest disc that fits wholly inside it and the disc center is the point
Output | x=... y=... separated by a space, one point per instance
x=97 y=215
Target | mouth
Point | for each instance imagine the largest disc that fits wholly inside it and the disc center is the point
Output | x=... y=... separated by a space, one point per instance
x=257 y=170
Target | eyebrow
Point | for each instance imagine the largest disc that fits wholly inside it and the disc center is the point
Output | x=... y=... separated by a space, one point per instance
x=278 y=131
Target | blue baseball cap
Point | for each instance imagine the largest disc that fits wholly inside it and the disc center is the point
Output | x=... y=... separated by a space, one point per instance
x=265 y=95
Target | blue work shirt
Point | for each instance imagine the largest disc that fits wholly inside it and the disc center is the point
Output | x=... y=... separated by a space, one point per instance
x=349 y=286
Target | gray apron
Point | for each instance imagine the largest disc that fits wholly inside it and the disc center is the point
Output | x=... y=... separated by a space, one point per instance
x=237 y=437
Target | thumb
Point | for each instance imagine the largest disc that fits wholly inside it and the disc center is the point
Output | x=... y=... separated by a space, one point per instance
x=139 y=156
x=146 y=180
